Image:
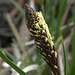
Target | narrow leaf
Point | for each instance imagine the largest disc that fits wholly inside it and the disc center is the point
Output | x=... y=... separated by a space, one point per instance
x=6 y=59
x=65 y=72
x=18 y=6
x=59 y=17
x=9 y=55
x=72 y=69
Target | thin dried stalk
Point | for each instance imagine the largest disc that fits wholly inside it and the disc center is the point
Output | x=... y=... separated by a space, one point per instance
x=66 y=12
x=40 y=32
x=13 y=28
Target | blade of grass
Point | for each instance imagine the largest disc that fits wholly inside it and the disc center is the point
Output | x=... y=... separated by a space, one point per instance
x=42 y=5
x=46 y=70
x=18 y=6
x=65 y=72
x=47 y=11
x=50 y=11
x=59 y=17
x=9 y=55
x=38 y=57
x=70 y=20
x=67 y=8
x=15 y=32
x=48 y=15
x=30 y=58
x=16 y=43
x=3 y=56
x=72 y=67
x=52 y=19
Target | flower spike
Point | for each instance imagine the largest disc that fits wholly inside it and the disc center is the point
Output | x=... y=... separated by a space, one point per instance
x=40 y=32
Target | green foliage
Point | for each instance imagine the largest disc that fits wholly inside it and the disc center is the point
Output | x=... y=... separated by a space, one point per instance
x=41 y=2
x=69 y=21
x=38 y=57
x=5 y=58
x=9 y=55
x=65 y=72
x=49 y=15
x=72 y=67
x=45 y=72
x=59 y=17
x=18 y=6
x=52 y=18
x=47 y=10
x=30 y=58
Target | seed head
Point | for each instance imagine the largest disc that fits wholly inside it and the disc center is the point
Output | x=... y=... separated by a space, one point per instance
x=40 y=32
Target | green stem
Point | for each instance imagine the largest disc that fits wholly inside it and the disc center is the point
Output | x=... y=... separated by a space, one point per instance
x=9 y=55
x=65 y=72
x=3 y=56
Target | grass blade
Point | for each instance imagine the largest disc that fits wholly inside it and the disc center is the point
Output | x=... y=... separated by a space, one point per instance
x=60 y=12
x=52 y=19
x=70 y=20
x=45 y=72
x=41 y=2
x=30 y=59
x=9 y=55
x=18 y=6
x=72 y=67
x=3 y=56
x=47 y=11
x=38 y=57
x=65 y=72
x=49 y=15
